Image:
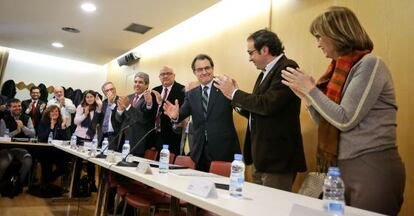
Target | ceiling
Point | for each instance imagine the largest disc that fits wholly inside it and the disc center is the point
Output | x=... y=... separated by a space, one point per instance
x=33 y=25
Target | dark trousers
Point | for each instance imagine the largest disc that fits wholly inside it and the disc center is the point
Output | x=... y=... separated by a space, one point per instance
x=21 y=155
x=90 y=167
x=204 y=162
x=50 y=158
x=374 y=181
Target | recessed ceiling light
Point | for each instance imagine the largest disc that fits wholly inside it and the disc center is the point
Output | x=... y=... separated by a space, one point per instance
x=88 y=7
x=57 y=45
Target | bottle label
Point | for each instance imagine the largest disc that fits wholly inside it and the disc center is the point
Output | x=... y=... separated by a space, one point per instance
x=335 y=206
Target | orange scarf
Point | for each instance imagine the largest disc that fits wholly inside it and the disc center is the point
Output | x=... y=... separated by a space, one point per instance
x=331 y=84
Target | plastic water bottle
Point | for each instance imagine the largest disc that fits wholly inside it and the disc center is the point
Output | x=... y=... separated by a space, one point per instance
x=104 y=147
x=334 y=192
x=164 y=159
x=6 y=133
x=94 y=146
x=73 y=142
x=50 y=138
x=237 y=176
x=125 y=149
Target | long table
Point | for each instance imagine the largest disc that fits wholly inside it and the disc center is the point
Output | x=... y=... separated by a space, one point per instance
x=257 y=199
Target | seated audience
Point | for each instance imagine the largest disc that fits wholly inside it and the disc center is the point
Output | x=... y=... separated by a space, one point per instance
x=52 y=122
x=19 y=124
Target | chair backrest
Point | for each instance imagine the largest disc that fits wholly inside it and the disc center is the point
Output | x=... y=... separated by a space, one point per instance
x=185 y=161
x=222 y=168
x=172 y=157
x=151 y=154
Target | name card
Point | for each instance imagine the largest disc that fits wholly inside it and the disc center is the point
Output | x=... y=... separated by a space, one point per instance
x=5 y=139
x=203 y=188
x=60 y=142
x=144 y=168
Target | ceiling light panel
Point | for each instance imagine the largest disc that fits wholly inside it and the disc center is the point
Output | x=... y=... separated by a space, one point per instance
x=88 y=7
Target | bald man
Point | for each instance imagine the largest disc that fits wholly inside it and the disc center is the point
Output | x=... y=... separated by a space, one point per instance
x=168 y=90
x=66 y=105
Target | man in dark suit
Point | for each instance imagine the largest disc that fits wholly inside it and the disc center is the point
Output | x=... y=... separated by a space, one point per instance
x=109 y=127
x=214 y=134
x=168 y=90
x=34 y=107
x=273 y=140
x=138 y=112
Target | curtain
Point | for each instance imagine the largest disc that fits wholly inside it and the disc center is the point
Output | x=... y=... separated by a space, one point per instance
x=4 y=56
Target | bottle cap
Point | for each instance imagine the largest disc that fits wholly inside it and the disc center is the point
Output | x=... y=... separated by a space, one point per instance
x=164 y=146
x=126 y=142
x=106 y=139
x=238 y=157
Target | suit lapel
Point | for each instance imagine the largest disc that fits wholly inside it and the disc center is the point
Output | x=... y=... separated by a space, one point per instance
x=139 y=102
x=212 y=98
x=263 y=85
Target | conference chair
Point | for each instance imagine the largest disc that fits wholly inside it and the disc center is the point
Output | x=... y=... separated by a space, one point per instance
x=222 y=168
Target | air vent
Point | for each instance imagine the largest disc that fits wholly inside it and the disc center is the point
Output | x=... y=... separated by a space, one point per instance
x=137 y=28
x=70 y=29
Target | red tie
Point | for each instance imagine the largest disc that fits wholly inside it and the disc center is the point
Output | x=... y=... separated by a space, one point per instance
x=135 y=101
x=164 y=96
x=33 y=112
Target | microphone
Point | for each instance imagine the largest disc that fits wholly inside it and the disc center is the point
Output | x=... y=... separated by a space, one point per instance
x=101 y=155
x=134 y=164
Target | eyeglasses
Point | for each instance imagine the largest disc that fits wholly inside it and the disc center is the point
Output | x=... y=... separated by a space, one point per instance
x=166 y=74
x=206 y=68
x=250 y=52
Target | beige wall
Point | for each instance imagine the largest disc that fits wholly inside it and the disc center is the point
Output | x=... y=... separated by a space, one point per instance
x=387 y=22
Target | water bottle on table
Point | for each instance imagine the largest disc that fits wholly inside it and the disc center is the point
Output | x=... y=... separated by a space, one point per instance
x=94 y=146
x=104 y=147
x=50 y=138
x=125 y=149
x=73 y=142
x=237 y=176
x=334 y=192
x=6 y=133
x=164 y=159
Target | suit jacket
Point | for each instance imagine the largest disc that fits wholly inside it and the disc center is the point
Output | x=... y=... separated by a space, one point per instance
x=140 y=121
x=38 y=114
x=274 y=142
x=115 y=125
x=221 y=138
x=167 y=135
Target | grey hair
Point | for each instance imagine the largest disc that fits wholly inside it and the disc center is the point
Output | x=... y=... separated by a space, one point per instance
x=143 y=76
x=106 y=83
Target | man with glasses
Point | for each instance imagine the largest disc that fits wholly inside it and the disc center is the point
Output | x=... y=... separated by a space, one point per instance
x=273 y=141
x=67 y=108
x=168 y=90
x=214 y=134
x=109 y=127
x=34 y=107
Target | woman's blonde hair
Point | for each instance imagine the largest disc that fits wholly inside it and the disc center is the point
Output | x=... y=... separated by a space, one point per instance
x=342 y=26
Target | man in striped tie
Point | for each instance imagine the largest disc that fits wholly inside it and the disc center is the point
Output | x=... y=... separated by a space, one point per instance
x=214 y=134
